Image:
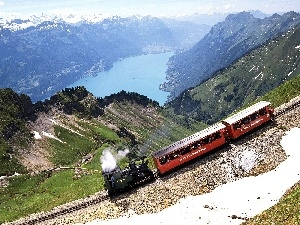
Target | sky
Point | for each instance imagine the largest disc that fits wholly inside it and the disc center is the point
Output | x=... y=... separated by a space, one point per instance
x=24 y=8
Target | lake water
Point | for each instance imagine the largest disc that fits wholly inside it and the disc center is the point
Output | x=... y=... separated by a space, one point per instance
x=142 y=74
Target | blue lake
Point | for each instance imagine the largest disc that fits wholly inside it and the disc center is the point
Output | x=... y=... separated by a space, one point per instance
x=142 y=74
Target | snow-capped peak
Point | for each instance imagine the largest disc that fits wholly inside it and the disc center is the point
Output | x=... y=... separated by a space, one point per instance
x=15 y=23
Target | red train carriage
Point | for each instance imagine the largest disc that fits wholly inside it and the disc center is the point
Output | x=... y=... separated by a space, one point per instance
x=190 y=147
x=248 y=119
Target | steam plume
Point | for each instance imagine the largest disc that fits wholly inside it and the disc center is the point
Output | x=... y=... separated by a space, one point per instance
x=109 y=159
x=122 y=153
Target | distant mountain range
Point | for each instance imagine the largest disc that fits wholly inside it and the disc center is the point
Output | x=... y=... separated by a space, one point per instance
x=226 y=42
x=214 y=18
x=40 y=57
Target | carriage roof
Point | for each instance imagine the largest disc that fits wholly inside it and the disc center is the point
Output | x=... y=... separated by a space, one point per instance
x=246 y=112
x=189 y=140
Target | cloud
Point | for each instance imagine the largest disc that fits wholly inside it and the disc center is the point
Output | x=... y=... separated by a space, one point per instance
x=2 y=3
x=228 y=6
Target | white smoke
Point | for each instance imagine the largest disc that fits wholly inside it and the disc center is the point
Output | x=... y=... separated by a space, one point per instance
x=122 y=153
x=109 y=159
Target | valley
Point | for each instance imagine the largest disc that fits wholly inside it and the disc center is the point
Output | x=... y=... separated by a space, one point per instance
x=52 y=137
x=39 y=59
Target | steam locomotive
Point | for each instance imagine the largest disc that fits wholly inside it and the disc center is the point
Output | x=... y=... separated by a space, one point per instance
x=191 y=147
x=118 y=181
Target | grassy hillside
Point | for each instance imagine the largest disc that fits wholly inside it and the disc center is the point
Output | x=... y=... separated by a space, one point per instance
x=74 y=129
x=283 y=93
x=243 y=82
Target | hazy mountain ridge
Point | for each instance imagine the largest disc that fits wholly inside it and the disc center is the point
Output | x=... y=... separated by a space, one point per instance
x=214 y=18
x=42 y=59
x=226 y=42
x=250 y=77
x=188 y=31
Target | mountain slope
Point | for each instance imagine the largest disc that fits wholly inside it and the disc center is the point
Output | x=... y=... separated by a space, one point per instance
x=73 y=123
x=61 y=186
x=248 y=78
x=186 y=33
x=15 y=111
x=213 y=18
x=226 y=42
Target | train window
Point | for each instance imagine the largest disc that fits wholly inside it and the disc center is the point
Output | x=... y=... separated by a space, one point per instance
x=162 y=160
x=196 y=144
x=185 y=150
x=212 y=137
x=207 y=140
x=176 y=154
x=262 y=111
x=180 y=151
x=216 y=135
x=173 y=155
x=254 y=116
x=246 y=120
x=237 y=125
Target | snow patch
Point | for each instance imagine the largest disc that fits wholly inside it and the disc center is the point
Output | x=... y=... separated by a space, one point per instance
x=63 y=126
x=251 y=69
x=246 y=160
x=37 y=135
x=260 y=74
x=52 y=136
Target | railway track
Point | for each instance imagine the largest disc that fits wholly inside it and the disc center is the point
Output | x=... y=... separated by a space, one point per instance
x=61 y=210
x=95 y=199
x=283 y=111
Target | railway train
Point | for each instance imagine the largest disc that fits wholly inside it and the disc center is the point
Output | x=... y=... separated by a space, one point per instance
x=191 y=147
